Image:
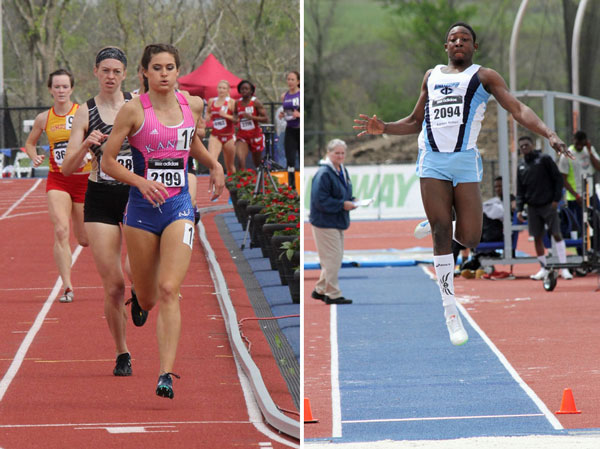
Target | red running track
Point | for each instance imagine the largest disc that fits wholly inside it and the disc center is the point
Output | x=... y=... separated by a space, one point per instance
x=550 y=338
x=64 y=394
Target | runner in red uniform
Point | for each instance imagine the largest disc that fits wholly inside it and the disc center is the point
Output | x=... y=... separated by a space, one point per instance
x=221 y=110
x=249 y=112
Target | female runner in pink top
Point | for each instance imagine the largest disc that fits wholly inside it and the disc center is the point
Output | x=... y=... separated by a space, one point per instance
x=158 y=228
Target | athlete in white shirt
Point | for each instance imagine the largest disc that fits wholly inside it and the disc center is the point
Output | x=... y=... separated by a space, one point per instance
x=448 y=115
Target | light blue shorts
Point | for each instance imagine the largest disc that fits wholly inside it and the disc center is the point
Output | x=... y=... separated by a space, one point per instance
x=458 y=167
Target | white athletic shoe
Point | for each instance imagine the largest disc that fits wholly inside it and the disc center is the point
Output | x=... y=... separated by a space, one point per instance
x=458 y=334
x=566 y=274
x=423 y=229
x=540 y=275
x=67 y=296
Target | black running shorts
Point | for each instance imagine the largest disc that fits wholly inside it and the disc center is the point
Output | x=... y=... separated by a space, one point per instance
x=105 y=203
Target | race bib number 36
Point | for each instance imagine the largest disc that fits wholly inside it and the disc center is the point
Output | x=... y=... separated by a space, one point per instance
x=184 y=138
x=169 y=171
x=446 y=111
x=60 y=148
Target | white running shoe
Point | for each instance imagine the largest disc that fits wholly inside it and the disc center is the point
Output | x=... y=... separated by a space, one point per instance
x=458 y=334
x=566 y=274
x=423 y=229
x=67 y=296
x=540 y=275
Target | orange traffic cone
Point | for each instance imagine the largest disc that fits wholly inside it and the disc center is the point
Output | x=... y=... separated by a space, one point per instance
x=567 y=405
x=308 y=417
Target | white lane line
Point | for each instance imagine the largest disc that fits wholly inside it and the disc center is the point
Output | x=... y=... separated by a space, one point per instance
x=44 y=212
x=20 y=200
x=440 y=418
x=117 y=424
x=336 y=403
x=555 y=423
x=35 y=327
x=132 y=429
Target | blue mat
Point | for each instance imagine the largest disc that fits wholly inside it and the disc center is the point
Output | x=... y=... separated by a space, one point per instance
x=398 y=368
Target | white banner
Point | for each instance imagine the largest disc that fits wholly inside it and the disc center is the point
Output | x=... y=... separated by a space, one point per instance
x=395 y=191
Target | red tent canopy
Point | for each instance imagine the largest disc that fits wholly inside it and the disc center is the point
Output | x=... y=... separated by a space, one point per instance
x=203 y=81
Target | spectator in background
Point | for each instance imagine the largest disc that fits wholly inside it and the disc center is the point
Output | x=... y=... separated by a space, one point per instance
x=539 y=185
x=291 y=113
x=586 y=163
x=280 y=125
x=65 y=194
x=330 y=206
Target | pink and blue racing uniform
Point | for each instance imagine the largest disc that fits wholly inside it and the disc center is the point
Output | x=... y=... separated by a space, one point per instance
x=160 y=153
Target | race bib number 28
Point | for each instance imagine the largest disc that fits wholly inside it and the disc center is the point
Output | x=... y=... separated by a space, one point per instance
x=125 y=161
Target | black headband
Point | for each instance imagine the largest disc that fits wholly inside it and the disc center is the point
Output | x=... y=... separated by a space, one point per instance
x=111 y=53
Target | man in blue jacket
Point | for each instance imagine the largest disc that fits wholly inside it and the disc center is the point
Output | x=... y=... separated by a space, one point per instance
x=331 y=201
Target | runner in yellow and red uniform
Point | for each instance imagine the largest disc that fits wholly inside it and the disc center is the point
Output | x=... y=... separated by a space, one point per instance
x=65 y=194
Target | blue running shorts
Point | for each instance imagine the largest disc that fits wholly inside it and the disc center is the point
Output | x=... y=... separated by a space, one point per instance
x=141 y=214
x=458 y=167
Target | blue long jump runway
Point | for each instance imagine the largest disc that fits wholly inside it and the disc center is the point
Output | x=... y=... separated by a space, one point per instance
x=401 y=378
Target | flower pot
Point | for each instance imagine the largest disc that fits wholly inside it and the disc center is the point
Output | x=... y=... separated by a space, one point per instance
x=294 y=286
x=251 y=211
x=283 y=264
x=233 y=196
x=268 y=230
x=241 y=213
x=258 y=236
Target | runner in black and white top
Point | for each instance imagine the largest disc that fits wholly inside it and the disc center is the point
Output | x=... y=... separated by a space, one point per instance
x=106 y=197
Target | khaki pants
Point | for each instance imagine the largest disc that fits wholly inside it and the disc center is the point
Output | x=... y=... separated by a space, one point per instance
x=330 y=247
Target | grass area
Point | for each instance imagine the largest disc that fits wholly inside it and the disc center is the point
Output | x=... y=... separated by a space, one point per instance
x=355 y=20
x=359 y=20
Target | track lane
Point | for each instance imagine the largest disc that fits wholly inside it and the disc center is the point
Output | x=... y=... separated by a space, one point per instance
x=65 y=394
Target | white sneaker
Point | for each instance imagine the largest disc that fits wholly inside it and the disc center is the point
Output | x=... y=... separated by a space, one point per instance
x=458 y=334
x=540 y=275
x=566 y=274
x=423 y=229
x=67 y=296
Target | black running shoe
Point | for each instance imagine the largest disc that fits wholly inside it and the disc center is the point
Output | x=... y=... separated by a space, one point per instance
x=196 y=216
x=123 y=367
x=138 y=316
x=165 y=385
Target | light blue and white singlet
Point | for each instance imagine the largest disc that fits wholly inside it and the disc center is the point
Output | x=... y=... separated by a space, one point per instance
x=454 y=110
